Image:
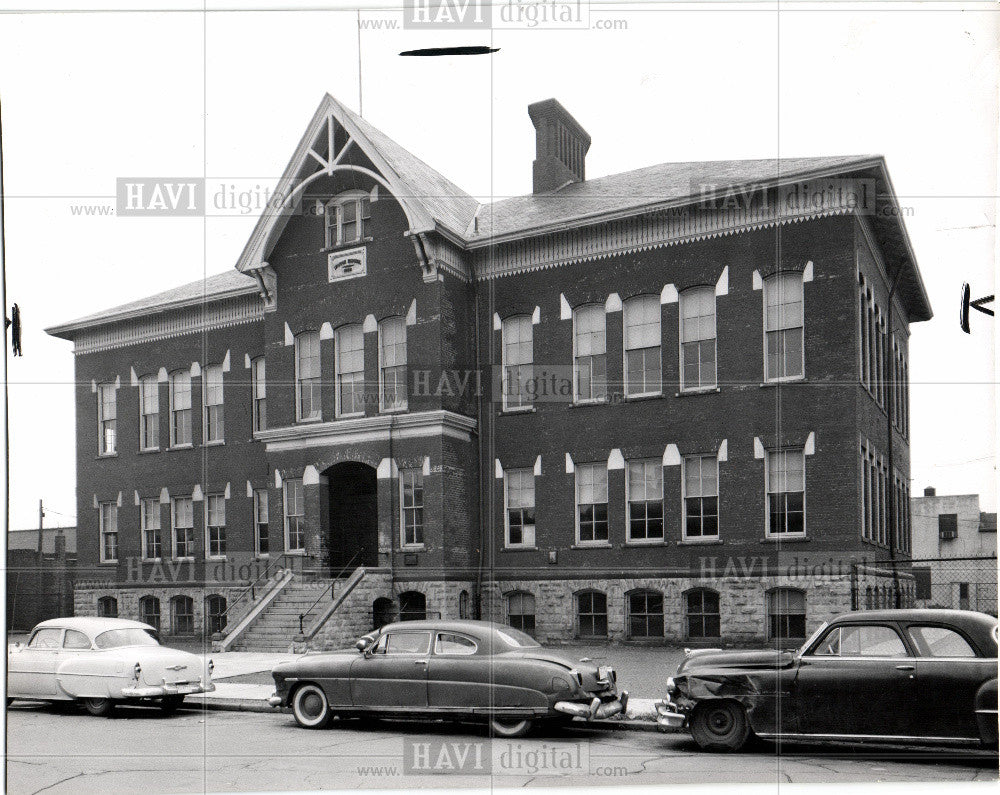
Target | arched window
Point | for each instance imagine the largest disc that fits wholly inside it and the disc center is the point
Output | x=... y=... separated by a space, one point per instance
x=592 y=614
x=412 y=606
x=347 y=216
x=786 y=614
x=645 y=614
x=215 y=612
x=149 y=611
x=521 y=611
x=783 y=327
x=181 y=615
x=701 y=613
x=107 y=607
x=463 y=605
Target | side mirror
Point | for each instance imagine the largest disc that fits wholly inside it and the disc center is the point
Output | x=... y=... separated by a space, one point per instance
x=361 y=645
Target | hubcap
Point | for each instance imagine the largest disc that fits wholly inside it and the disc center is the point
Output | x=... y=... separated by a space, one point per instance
x=720 y=721
x=312 y=705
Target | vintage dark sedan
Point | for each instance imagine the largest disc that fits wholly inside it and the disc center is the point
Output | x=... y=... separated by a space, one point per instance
x=910 y=676
x=466 y=670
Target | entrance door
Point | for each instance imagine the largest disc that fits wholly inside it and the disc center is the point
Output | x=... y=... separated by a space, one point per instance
x=353 y=532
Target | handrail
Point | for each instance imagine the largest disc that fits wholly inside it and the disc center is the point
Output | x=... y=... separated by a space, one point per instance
x=329 y=588
x=252 y=587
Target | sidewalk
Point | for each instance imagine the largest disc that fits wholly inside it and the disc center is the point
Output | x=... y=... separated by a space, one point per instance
x=641 y=670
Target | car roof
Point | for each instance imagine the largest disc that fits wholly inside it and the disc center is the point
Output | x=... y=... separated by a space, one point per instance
x=92 y=625
x=970 y=620
x=478 y=628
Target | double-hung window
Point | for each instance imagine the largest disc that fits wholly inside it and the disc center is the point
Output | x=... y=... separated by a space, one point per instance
x=149 y=413
x=215 y=525
x=149 y=527
x=350 y=371
x=215 y=427
x=590 y=367
x=518 y=358
x=180 y=408
x=783 y=327
x=262 y=540
x=183 y=527
x=307 y=377
x=786 y=493
x=347 y=217
x=701 y=497
x=258 y=386
x=592 y=504
x=109 y=532
x=698 y=337
x=107 y=414
x=392 y=364
x=520 y=487
x=295 y=515
x=644 y=488
x=411 y=483
x=642 y=346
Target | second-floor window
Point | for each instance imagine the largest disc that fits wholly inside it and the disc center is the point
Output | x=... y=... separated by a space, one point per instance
x=412 y=507
x=307 y=377
x=182 y=521
x=783 y=327
x=644 y=488
x=590 y=367
x=786 y=493
x=215 y=422
x=642 y=345
x=109 y=532
x=347 y=217
x=701 y=497
x=215 y=525
x=149 y=413
x=149 y=527
x=520 y=485
x=258 y=386
x=592 y=504
x=350 y=371
x=392 y=363
x=107 y=414
x=517 y=341
x=180 y=408
x=698 y=350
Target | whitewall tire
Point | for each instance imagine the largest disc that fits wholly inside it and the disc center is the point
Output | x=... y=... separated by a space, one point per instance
x=310 y=707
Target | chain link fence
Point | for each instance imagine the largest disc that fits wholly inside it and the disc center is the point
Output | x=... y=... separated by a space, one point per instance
x=953 y=583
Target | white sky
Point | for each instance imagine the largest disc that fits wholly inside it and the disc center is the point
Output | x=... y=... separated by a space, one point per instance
x=91 y=97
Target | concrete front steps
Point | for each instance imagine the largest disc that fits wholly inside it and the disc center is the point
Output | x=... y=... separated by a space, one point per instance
x=277 y=626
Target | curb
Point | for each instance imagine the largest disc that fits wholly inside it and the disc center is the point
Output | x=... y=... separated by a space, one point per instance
x=255 y=705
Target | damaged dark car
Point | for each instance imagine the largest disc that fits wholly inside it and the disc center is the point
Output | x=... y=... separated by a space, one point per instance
x=888 y=676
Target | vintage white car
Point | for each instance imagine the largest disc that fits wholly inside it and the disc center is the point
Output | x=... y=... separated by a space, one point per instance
x=102 y=662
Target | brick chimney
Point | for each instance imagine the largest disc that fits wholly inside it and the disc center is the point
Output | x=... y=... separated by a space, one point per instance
x=561 y=146
x=930 y=491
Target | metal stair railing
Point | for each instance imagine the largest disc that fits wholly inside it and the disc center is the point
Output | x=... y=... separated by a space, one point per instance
x=330 y=590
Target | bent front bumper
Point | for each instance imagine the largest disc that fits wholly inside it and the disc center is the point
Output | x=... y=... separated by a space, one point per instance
x=668 y=716
x=596 y=709
x=158 y=691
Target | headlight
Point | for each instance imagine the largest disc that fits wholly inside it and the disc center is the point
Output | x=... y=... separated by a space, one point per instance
x=136 y=672
x=672 y=688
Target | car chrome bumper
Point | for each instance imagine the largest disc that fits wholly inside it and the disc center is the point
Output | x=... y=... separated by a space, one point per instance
x=158 y=691
x=668 y=717
x=275 y=700
x=596 y=709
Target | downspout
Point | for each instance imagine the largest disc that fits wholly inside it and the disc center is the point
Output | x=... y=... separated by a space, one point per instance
x=889 y=397
x=478 y=598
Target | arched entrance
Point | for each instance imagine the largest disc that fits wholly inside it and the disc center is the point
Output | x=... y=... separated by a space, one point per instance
x=353 y=511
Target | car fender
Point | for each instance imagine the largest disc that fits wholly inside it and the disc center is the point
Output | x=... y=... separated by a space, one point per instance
x=986 y=711
x=754 y=693
x=97 y=676
x=329 y=671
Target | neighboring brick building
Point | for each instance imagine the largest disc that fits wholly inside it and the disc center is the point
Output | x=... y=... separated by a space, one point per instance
x=649 y=405
x=954 y=552
x=39 y=586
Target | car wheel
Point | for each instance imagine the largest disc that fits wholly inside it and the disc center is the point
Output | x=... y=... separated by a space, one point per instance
x=720 y=726
x=99 y=707
x=310 y=707
x=510 y=727
x=170 y=704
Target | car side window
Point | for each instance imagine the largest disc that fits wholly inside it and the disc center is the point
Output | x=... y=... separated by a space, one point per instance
x=75 y=640
x=45 y=639
x=379 y=646
x=861 y=641
x=939 y=642
x=449 y=643
x=408 y=642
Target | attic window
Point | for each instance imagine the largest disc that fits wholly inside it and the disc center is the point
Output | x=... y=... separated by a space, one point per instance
x=347 y=217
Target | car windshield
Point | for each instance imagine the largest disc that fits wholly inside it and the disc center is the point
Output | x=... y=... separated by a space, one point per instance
x=812 y=638
x=132 y=636
x=516 y=638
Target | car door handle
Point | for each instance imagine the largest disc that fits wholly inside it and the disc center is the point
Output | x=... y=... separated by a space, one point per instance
x=904 y=667
x=420 y=662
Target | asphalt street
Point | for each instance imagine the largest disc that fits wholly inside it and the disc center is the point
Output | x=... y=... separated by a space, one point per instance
x=60 y=750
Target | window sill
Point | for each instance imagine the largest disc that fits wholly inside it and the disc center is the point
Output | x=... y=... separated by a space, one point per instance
x=109 y=563
x=301 y=553
x=307 y=420
x=399 y=410
x=519 y=549
x=708 y=390
x=695 y=542
x=643 y=396
x=517 y=410
x=413 y=548
x=598 y=545
x=215 y=557
x=799 y=379
x=352 y=415
x=151 y=560
x=214 y=443
x=183 y=560
x=580 y=404
x=186 y=446
x=107 y=455
x=148 y=450
x=262 y=556
x=779 y=539
x=642 y=542
x=346 y=245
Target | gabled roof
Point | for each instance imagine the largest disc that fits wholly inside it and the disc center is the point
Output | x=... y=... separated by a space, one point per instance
x=212 y=288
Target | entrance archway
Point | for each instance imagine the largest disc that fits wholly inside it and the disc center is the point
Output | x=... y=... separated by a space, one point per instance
x=353 y=511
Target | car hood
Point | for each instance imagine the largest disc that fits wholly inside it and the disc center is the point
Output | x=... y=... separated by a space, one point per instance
x=730 y=660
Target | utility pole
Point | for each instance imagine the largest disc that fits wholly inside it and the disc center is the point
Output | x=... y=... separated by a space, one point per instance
x=41 y=516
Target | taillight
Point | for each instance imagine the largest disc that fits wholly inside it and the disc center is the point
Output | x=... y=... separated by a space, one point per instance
x=211 y=667
x=136 y=672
